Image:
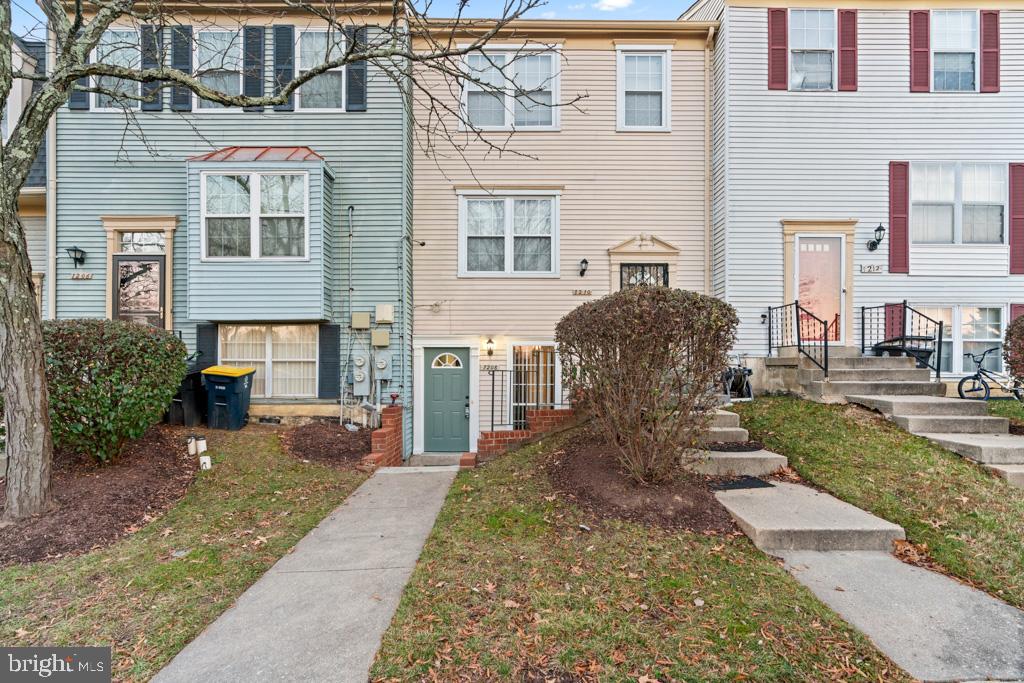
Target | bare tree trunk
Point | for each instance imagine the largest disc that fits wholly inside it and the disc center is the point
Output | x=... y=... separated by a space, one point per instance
x=22 y=376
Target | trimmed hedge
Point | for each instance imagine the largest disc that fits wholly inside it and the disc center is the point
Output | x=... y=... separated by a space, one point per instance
x=109 y=382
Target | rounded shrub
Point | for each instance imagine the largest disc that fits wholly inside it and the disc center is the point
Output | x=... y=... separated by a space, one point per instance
x=645 y=362
x=1013 y=348
x=109 y=381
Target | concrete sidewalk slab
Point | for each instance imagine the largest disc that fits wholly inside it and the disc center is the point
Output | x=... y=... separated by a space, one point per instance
x=788 y=516
x=933 y=627
x=319 y=613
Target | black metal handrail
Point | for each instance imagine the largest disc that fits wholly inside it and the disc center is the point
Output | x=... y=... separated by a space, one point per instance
x=512 y=393
x=900 y=330
x=793 y=326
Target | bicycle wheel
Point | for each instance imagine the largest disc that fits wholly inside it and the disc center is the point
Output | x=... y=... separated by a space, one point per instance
x=974 y=388
x=1018 y=390
x=747 y=392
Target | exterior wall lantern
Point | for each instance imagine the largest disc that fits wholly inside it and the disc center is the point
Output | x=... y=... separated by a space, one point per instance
x=77 y=255
x=879 y=235
x=583 y=267
x=490 y=346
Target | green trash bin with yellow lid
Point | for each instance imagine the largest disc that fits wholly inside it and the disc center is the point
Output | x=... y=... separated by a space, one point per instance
x=228 y=390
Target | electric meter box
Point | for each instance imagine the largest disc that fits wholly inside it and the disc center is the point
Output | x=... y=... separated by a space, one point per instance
x=384 y=314
x=380 y=338
x=382 y=364
x=361 y=373
x=361 y=320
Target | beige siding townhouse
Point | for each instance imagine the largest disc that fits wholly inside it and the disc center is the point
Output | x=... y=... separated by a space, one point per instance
x=608 y=191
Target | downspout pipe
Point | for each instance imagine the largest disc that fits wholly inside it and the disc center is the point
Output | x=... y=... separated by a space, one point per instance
x=708 y=96
x=51 y=194
x=348 y=308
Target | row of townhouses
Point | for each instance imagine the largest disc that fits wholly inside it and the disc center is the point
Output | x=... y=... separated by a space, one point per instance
x=849 y=158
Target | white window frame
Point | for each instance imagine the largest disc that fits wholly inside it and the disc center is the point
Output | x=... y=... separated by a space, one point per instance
x=959 y=365
x=508 y=196
x=620 y=87
x=554 y=52
x=932 y=51
x=196 y=99
x=268 y=360
x=298 y=70
x=254 y=214
x=94 y=98
x=790 y=50
x=958 y=205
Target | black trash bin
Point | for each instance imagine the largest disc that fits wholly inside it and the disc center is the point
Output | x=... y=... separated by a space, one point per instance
x=227 y=396
x=188 y=407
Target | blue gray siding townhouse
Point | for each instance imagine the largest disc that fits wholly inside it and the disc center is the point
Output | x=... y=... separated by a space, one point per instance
x=277 y=238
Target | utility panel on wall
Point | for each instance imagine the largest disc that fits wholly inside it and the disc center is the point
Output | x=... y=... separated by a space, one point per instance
x=361 y=320
x=385 y=314
x=380 y=338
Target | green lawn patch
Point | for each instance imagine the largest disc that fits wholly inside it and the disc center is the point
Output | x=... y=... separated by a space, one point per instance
x=509 y=584
x=151 y=592
x=971 y=522
x=1008 y=408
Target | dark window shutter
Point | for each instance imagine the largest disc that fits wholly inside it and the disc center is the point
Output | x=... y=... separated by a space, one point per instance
x=252 y=64
x=847 y=49
x=1017 y=219
x=894 y=323
x=284 y=63
x=920 y=50
x=206 y=345
x=79 y=99
x=899 y=204
x=330 y=361
x=1016 y=311
x=181 y=59
x=990 y=50
x=152 y=41
x=355 y=76
x=778 y=50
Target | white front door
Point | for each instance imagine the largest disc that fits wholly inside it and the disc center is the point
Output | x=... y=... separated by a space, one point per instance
x=820 y=275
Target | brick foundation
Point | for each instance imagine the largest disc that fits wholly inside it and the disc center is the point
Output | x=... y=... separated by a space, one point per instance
x=386 y=442
x=539 y=421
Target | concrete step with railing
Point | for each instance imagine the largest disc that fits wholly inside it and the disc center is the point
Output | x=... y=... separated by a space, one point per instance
x=866 y=374
x=837 y=392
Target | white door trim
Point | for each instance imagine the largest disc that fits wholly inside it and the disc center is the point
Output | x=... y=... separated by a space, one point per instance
x=418 y=428
x=842 y=274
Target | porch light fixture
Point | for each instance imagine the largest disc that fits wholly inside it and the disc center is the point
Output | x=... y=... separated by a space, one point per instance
x=490 y=346
x=77 y=255
x=584 y=263
x=879 y=235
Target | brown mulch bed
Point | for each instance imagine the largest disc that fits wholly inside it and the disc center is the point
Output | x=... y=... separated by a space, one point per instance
x=328 y=443
x=1016 y=428
x=586 y=469
x=734 y=446
x=94 y=505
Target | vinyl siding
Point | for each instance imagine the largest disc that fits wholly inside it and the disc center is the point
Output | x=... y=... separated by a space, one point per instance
x=825 y=156
x=35 y=237
x=614 y=187
x=719 y=159
x=706 y=10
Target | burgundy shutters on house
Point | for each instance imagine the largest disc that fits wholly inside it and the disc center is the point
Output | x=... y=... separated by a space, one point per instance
x=847 y=49
x=989 y=50
x=1017 y=219
x=899 y=203
x=920 y=51
x=1016 y=311
x=894 y=321
x=778 y=49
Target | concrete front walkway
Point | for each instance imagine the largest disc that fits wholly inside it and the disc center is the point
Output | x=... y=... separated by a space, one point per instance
x=319 y=613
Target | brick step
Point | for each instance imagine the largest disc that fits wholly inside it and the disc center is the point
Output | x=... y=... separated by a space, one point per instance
x=988 y=449
x=920 y=405
x=788 y=516
x=838 y=391
x=948 y=424
x=727 y=435
x=867 y=375
x=723 y=418
x=1013 y=474
x=749 y=464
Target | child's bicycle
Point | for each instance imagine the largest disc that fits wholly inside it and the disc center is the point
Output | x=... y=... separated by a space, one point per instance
x=977 y=387
x=736 y=382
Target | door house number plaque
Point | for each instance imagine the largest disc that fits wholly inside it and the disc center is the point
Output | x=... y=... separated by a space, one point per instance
x=81 y=276
x=870 y=268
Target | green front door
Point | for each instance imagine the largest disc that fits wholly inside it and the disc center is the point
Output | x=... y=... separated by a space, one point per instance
x=446 y=394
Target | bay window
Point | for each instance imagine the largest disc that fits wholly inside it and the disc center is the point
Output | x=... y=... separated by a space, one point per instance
x=812 y=45
x=513 y=235
x=643 y=89
x=284 y=356
x=326 y=91
x=954 y=50
x=118 y=47
x=255 y=215
x=958 y=203
x=511 y=89
x=218 y=64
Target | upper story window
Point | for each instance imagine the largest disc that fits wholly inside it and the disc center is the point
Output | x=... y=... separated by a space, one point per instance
x=643 y=89
x=812 y=48
x=513 y=235
x=958 y=203
x=326 y=91
x=954 y=50
x=119 y=47
x=255 y=215
x=218 y=64
x=511 y=89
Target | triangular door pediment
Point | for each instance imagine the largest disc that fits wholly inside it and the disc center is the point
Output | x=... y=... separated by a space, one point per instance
x=644 y=244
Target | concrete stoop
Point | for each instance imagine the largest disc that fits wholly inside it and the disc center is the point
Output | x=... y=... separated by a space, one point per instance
x=744 y=464
x=930 y=625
